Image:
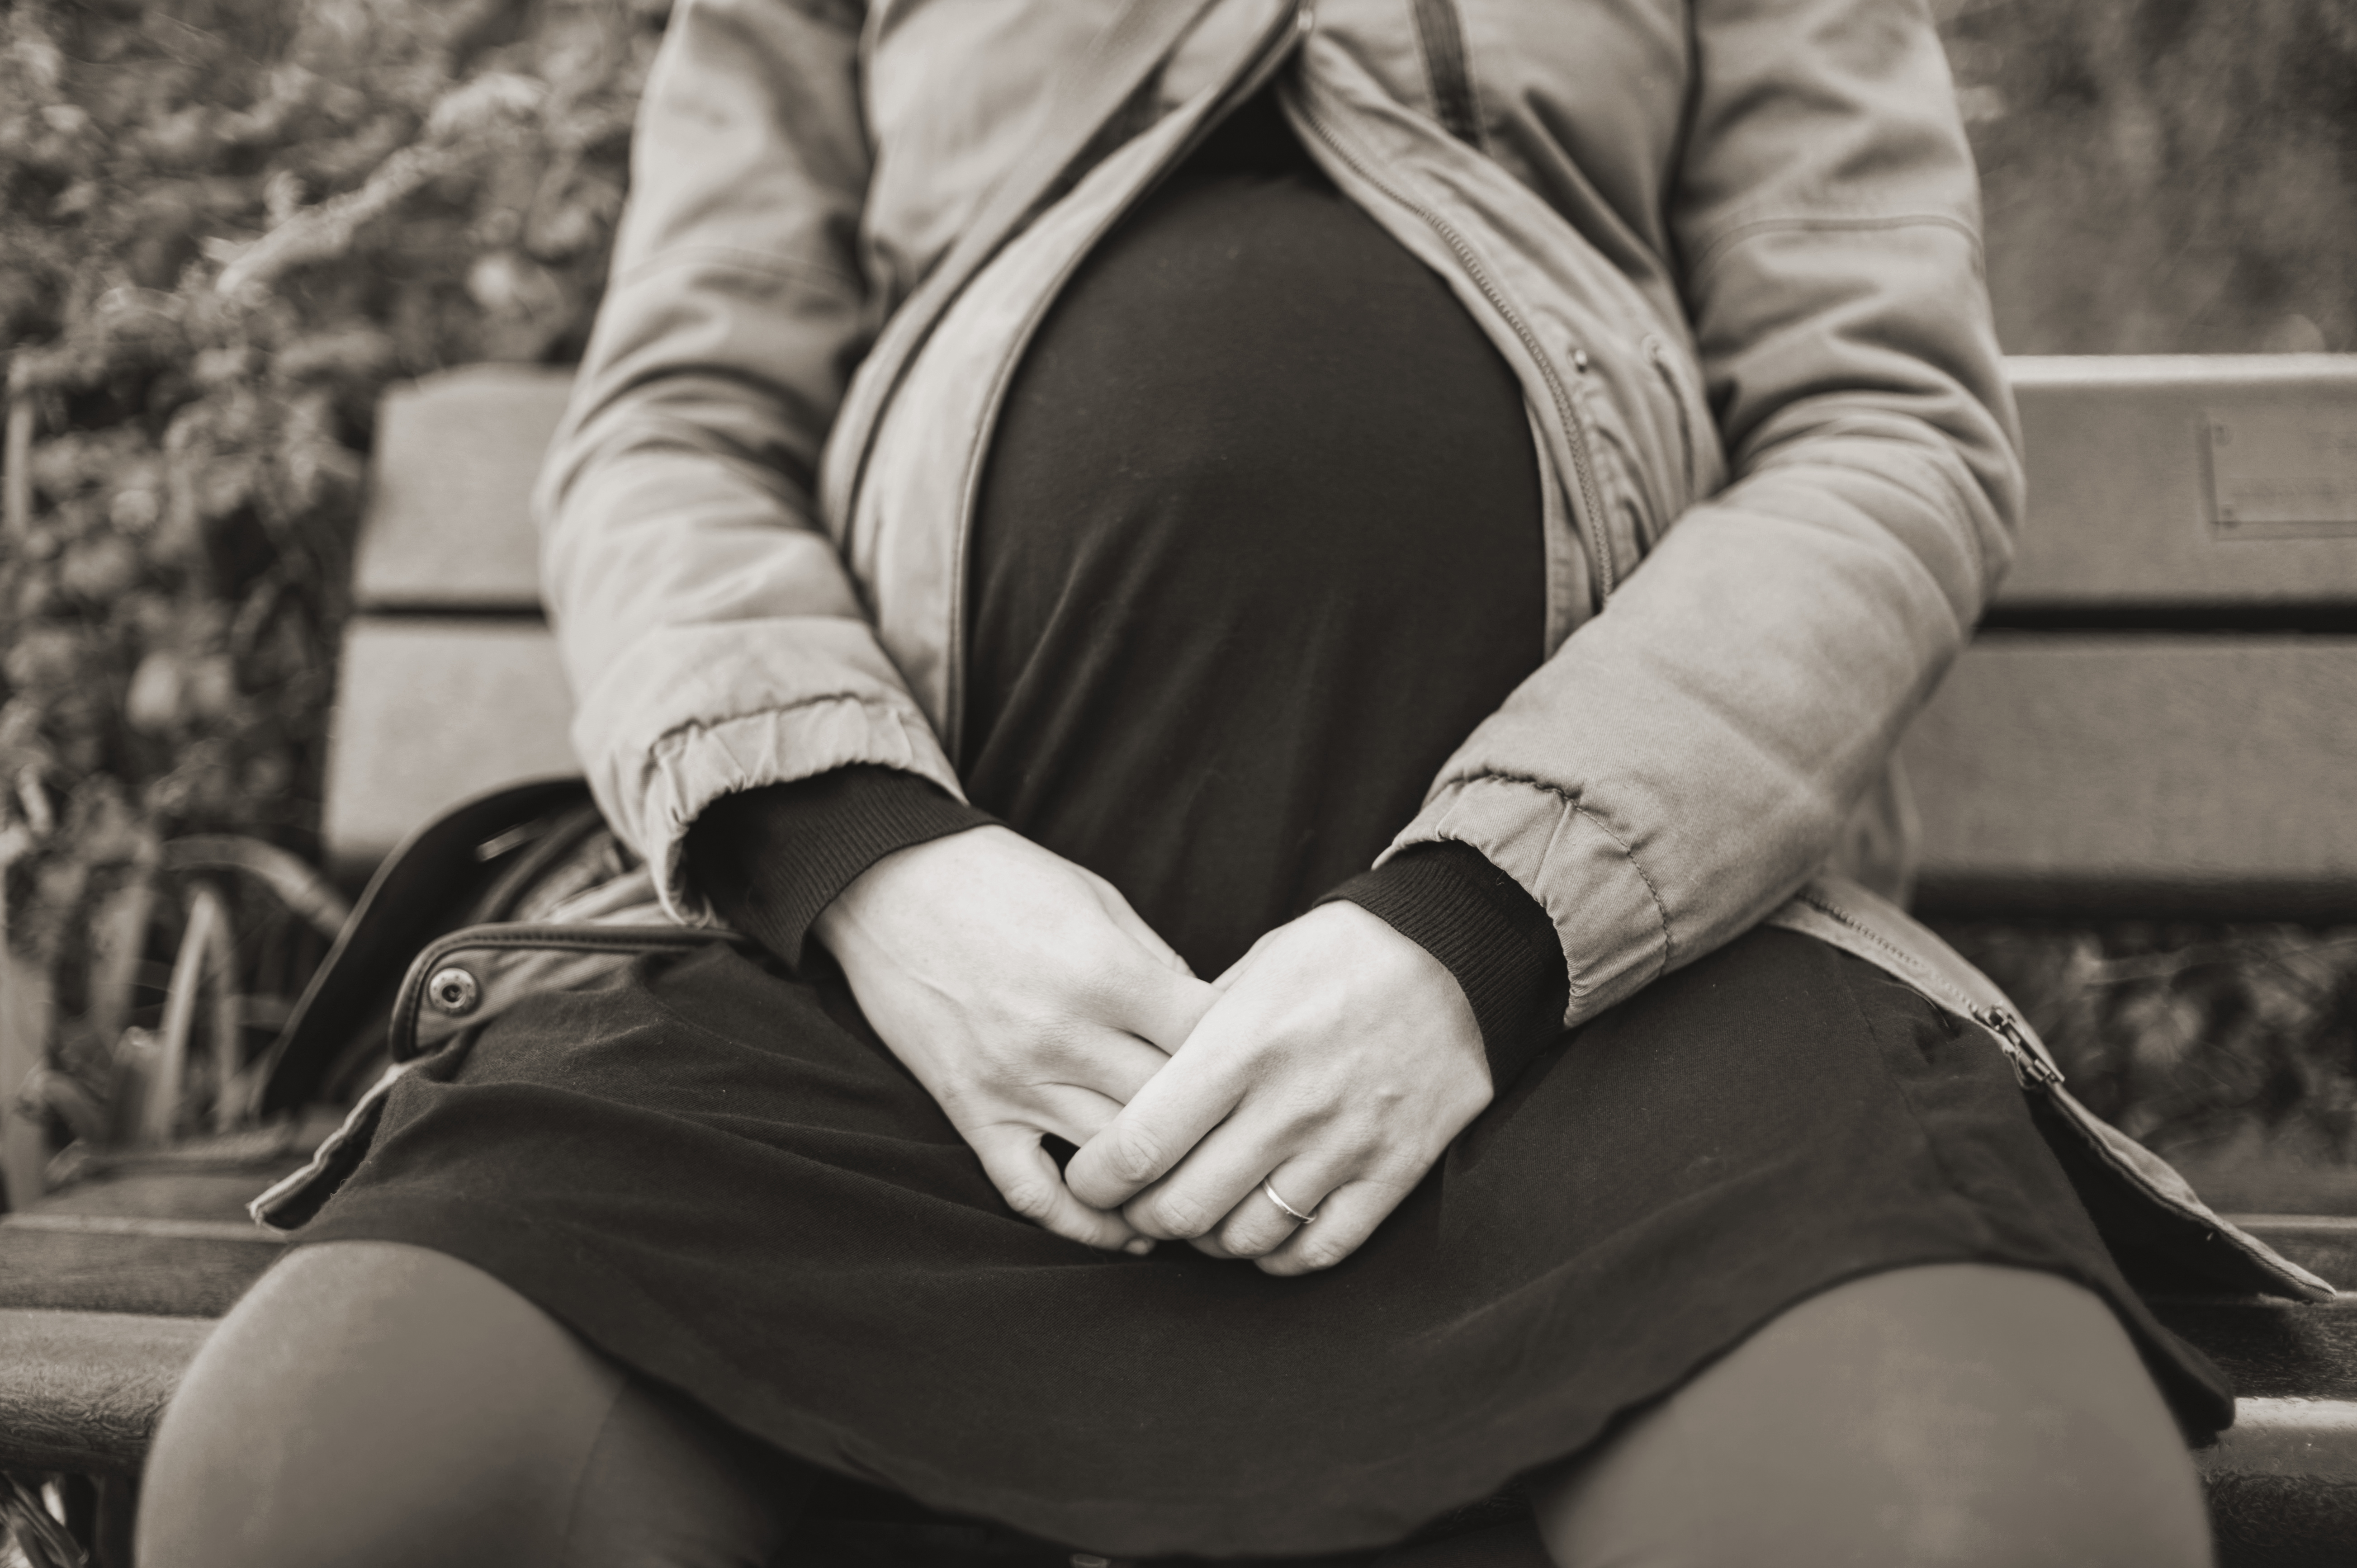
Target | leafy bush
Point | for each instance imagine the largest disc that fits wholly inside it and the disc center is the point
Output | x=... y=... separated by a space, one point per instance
x=227 y=225
x=2165 y=176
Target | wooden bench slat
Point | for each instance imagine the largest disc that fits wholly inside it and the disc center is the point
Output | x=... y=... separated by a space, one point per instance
x=244 y=1233
x=83 y=1391
x=2118 y=451
x=159 y=1192
x=2122 y=509
x=2273 y=1349
x=2282 y=1484
x=431 y=712
x=450 y=522
x=164 y=1275
x=2310 y=1437
x=2141 y=774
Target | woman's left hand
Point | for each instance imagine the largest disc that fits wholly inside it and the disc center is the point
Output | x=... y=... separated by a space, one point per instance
x=1336 y=1067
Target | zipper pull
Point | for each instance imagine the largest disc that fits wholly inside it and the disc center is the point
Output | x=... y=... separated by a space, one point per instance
x=2034 y=1070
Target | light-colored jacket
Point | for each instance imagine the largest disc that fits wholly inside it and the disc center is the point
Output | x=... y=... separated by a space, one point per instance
x=1731 y=247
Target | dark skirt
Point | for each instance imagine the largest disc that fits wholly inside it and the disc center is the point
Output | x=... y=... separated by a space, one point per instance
x=718 y=1175
x=1259 y=546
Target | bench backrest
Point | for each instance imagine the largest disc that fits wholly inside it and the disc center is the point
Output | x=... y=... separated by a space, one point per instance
x=2158 y=716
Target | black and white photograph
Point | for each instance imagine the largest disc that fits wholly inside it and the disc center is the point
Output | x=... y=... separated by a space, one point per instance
x=1177 y=784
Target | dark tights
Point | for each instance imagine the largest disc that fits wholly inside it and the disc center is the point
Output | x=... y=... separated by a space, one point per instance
x=370 y=1404
x=373 y=1403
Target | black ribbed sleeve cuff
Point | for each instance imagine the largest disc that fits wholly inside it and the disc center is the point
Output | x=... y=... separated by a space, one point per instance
x=771 y=859
x=1495 y=938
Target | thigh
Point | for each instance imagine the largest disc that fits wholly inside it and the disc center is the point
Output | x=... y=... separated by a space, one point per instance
x=1958 y=1414
x=371 y=1403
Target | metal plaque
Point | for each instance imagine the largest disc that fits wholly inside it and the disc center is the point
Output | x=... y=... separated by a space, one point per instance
x=2283 y=469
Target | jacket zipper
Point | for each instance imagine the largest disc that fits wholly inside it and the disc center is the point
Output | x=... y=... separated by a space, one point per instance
x=2030 y=1069
x=2028 y=1064
x=1598 y=550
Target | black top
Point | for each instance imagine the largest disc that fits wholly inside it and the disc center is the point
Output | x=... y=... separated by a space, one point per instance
x=1254 y=428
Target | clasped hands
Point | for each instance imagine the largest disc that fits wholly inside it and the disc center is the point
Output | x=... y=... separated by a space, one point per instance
x=1335 y=1062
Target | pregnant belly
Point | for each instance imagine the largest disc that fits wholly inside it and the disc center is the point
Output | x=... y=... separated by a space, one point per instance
x=1257 y=545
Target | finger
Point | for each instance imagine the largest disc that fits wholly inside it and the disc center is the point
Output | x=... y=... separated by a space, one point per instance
x=1219 y=1177
x=1108 y=1061
x=1071 y=1113
x=1027 y=1180
x=1159 y=1007
x=1164 y=1120
x=1132 y=925
x=1347 y=1217
x=1260 y=1224
x=1162 y=1001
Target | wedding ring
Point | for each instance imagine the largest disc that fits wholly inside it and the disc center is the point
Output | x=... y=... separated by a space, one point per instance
x=1305 y=1219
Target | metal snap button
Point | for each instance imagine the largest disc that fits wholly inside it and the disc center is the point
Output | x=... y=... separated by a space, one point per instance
x=1579 y=360
x=454 y=990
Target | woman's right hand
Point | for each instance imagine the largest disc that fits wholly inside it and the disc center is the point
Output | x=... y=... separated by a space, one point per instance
x=1024 y=993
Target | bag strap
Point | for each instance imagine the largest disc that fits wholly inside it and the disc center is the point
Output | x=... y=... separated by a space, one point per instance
x=422 y=888
x=1084 y=97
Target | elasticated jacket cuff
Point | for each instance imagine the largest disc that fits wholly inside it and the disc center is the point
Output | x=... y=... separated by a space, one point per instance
x=769 y=860
x=1494 y=936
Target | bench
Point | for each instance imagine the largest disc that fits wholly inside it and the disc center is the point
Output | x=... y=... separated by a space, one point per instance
x=2156 y=719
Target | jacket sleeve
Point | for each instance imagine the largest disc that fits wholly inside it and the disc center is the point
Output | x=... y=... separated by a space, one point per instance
x=714 y=641
x=1688 y=757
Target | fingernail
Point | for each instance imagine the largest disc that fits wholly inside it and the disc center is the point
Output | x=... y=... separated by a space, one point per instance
x=1139 y=1247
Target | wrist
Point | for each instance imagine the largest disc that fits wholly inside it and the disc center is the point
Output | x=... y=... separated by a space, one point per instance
x=771 y=859
x=1495 y=939
x=926 y=875
x=1415 y=973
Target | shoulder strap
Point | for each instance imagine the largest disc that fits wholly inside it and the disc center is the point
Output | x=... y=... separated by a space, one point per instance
x=1082 y=98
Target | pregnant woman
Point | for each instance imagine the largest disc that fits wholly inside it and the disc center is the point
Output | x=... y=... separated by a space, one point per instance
x=1254 y=618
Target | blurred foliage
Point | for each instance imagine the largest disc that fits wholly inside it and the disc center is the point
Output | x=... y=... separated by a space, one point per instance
x=2230 y=1049
x=225 y=225
x=2165 y=176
